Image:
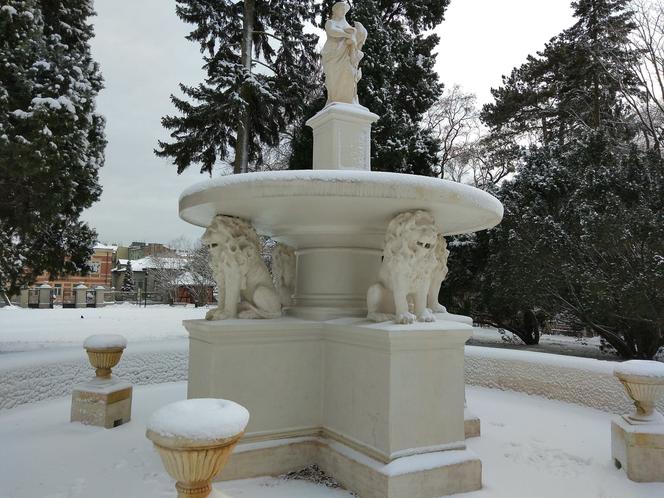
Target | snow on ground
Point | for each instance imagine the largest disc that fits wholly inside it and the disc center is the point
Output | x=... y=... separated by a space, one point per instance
x=529 y=447
x=587 y=347
x=42 y=455
x=28 y=329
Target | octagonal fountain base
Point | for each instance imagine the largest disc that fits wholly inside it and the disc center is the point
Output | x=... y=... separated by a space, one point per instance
x=378 y=406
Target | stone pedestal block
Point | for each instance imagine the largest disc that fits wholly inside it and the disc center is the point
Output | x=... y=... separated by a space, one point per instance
x=45 y=296
x=342 y=137
x=24 y=298
x=471 y=424
x=104 y=403
x=639 y=449
x=100 y=296
x=80 y=296
x=369 y=403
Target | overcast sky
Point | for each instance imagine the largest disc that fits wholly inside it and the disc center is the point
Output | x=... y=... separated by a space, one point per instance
x=143 y=55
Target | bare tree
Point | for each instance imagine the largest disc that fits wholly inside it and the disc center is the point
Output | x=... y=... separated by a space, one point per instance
x=198 y=278
x=648 y=43
x=454 y=120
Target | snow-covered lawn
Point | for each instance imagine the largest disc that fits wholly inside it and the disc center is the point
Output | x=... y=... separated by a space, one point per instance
x=29 y=329
x=530 y=447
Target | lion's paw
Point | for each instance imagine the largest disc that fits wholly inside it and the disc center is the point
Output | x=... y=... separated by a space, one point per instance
x=426 y=316
x=405 y=318
x=217 y=314
x=438 y=308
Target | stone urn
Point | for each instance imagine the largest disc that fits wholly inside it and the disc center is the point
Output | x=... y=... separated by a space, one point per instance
x=194 y=439
x=644 y=382
x=104 y=352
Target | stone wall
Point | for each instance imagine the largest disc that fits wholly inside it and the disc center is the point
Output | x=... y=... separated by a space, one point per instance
x=581 y=381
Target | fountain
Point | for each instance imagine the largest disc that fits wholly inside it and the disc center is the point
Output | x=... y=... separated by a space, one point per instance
x=377 y=404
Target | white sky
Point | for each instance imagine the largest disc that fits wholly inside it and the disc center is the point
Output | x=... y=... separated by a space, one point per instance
x=143 y=55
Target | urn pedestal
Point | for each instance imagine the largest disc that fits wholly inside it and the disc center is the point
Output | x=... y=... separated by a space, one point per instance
x=378 y=406
x=103 y=401
x=637 y=439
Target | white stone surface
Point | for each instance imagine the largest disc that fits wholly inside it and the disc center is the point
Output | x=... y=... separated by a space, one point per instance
x=638 y=449
x=408 y=264
x=244 y=285
x=336 y=222
x=341 y=55
x=342 y=137
x=379 y=388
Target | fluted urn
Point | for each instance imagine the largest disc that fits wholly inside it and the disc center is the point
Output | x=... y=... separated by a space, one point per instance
x=644 y=382
x=194 y=439
x=104 y=352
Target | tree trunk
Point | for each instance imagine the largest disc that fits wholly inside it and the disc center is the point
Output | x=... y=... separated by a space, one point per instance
x=241 y=164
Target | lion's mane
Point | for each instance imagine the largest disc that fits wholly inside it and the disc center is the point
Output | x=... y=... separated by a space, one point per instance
x=237 y=242
x=403 y=233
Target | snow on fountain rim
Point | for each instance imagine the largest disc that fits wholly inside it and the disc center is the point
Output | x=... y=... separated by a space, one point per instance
x=338 y=177
x=105 y=341
x=202 y=419
x=457 y=207
x=640 y=368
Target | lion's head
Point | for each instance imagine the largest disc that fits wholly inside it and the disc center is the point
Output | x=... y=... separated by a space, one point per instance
x=411 y=236
x=232 y=241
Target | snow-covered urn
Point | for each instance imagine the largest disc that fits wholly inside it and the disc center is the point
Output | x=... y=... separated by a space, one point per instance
x=104 y=352
x=644 y=382
x=195 y=438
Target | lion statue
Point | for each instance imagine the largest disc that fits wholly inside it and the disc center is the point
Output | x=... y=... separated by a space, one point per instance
x=404 y=278
x=438 y=276
x=244 y=282
x=283 y=272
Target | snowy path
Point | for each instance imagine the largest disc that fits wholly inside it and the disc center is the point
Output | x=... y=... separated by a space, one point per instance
x=530 y=447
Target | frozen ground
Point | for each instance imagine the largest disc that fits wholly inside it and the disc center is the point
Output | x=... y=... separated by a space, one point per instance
x=25 y=330
x=529 y=447
x=30 y=329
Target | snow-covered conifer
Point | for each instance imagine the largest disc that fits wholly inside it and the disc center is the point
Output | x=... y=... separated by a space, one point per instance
x=51 y=139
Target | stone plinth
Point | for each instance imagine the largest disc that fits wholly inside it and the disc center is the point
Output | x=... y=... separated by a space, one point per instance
x=100 y=296
x=80 y=296
x=342 y=137
x=639 y=449
x=44 y=296
x=367 y=402
x=471 y=424
x=104 y=403
x=637 y=439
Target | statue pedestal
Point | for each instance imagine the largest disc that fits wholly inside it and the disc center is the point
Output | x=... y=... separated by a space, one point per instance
x=342 y=137
x=377 y=406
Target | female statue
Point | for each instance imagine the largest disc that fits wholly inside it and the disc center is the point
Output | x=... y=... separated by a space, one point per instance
x=342 y=54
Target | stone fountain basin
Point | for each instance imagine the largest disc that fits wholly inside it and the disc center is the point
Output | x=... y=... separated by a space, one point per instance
x=309 y=208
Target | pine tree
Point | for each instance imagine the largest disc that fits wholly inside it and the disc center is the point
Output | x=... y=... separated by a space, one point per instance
x=398 y=83
x=573 y=85
x=128 y=284
x=51 y=139
x=259 y=64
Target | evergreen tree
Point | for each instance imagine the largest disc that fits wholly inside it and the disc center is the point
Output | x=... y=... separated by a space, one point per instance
x=51 y=139
x=574 y=84
x=259 y=64
x=128 y=284
x=398 y=83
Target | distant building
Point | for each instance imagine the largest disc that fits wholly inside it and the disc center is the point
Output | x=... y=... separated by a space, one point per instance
x=140 y=250
x=102 y=262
